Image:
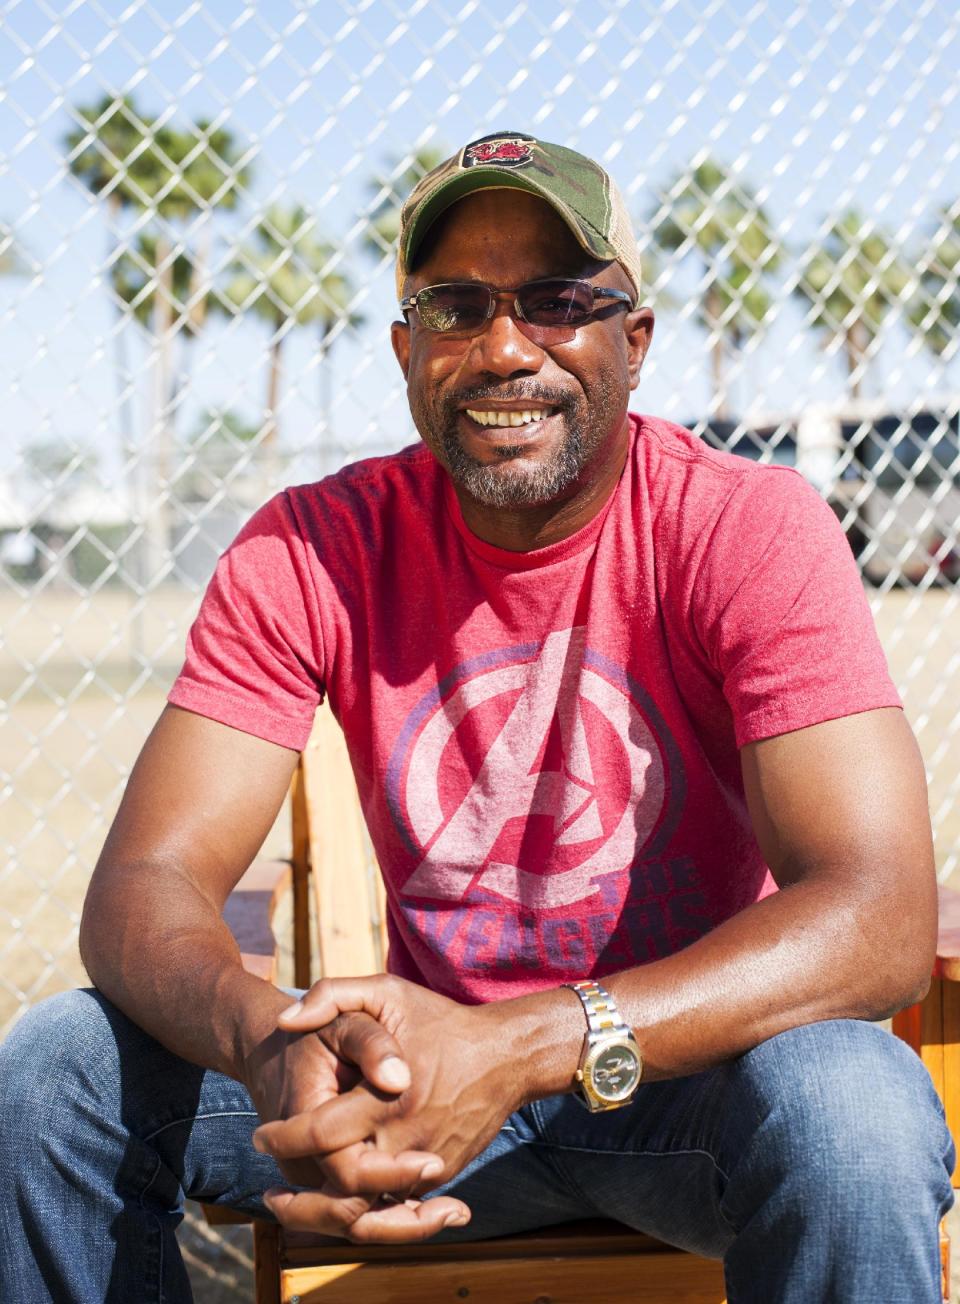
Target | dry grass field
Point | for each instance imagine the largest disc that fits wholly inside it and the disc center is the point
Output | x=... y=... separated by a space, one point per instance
x=69 y=738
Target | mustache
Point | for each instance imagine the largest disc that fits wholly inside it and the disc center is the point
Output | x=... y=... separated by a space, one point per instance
x=523 y=393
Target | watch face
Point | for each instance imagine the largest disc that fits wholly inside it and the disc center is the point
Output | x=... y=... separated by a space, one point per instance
x=615 y=1072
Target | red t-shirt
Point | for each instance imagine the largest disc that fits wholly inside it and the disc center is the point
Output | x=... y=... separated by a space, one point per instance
x=545 y=743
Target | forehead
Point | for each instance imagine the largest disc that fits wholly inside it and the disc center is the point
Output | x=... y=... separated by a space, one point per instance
x=501 y=236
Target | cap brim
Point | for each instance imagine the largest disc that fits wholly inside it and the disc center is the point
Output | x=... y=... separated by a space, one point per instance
x=481 y=178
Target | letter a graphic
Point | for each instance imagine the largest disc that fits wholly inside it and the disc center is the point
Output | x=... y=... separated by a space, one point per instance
x=505 y=789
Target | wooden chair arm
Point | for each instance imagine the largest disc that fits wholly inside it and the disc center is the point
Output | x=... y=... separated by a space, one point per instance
x=249 y=913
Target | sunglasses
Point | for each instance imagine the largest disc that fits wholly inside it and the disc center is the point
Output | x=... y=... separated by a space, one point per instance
x=463 y=308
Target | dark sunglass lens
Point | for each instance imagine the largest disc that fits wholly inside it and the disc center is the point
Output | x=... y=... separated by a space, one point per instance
x=453 y=307
x=556 y=303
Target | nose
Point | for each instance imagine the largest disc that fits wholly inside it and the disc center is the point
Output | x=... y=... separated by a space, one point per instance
x=502 y=349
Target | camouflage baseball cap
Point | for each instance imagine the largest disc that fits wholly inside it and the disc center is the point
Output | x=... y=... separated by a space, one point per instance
x=575 y=186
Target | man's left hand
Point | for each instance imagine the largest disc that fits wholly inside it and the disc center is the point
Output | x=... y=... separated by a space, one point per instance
x=462 y=1088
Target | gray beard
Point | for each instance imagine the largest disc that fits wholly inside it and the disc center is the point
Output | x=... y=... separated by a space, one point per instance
x=513 y=481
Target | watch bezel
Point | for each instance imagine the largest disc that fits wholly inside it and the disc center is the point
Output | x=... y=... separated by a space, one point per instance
x=594 y=1052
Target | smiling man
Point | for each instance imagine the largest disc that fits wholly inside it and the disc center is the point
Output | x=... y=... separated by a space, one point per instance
x=569 y=418
x=652 y=827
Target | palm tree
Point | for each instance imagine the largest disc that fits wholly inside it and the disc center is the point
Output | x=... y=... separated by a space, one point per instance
x=388 y=188
x=718 y=223
x=136 y=162
x=200 y=171
x=289 y=277
x=136 y=284
x=851 y=283
x=141 y=164
x=109 y=152
x=935 y=312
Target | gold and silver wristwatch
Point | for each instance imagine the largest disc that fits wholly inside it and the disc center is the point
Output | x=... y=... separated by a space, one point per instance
x=610 y=1062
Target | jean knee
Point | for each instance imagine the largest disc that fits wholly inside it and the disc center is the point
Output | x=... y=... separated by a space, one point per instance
x=847 y=1104
x=61 y=1050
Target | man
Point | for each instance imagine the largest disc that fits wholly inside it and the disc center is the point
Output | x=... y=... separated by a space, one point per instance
x=605 y=691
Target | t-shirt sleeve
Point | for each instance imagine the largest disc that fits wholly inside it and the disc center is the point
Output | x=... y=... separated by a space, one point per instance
x=782 y=612
x=255 y=654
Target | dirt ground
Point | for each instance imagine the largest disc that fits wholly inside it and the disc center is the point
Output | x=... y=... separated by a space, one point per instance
x=82 y=680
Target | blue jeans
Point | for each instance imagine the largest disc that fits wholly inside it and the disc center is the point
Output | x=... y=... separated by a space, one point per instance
x=817 y=1165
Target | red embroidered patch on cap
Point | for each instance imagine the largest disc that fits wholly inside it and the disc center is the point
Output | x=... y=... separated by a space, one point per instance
x=504 y=151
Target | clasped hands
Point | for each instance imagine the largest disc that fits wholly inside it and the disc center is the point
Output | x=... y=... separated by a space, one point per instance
x=374 y=1091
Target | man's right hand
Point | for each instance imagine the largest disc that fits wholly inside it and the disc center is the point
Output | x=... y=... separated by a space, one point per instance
x=200 y=801
x=288 y=1074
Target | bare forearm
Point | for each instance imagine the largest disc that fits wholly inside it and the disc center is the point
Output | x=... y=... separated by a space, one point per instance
x=796 y=957
x=198 y=805
x=160 y=952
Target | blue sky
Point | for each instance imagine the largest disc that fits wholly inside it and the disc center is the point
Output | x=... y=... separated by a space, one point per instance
x=818 y=107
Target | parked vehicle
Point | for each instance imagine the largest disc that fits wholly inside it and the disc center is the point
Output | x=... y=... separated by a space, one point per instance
x=892 y=479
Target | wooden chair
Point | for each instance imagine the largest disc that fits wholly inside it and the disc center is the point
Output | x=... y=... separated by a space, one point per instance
x=603 y=1262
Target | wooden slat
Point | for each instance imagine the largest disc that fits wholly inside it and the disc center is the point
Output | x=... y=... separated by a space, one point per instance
x=907 y=1024
x=338 y=854
x=381 y=915
x=931 y=1033
x=266 y=1263
x=932 y=1028
x=950 y=996
x=674 y=1276
x=945 y=1261
x=600 y=1236
x=300 y=864
x=249 y=912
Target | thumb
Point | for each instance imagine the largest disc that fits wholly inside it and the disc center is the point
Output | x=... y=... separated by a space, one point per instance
x=364 y=1041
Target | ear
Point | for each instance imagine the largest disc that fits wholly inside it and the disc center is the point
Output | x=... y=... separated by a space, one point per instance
x=400 y=339
x=638 y=331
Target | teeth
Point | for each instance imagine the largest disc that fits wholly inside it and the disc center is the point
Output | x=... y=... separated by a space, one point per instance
x=507 y=418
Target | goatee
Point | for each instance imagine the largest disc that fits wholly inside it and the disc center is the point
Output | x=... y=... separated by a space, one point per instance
x=514 y=480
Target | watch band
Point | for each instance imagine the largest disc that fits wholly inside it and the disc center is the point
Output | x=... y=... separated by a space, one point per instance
x=599 y=1006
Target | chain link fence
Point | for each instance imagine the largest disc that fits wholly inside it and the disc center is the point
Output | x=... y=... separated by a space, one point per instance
x=198 y=208
x=198 y=204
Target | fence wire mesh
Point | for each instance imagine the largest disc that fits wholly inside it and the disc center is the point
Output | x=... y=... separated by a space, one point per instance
x=198 y=209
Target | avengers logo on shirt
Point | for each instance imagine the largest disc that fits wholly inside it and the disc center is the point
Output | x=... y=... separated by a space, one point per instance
x=527 y=787
x=501 y=787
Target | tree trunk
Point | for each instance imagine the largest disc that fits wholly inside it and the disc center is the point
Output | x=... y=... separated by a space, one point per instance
x=158 y=468
x=198 y=292
x=271 y=427
x=714 y=309
x=120 y=359
x=135 y=563
x=323 y=392
x=855 y=344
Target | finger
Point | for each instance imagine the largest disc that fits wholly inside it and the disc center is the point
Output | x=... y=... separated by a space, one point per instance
x=316 y=1211
x=341 y=1122
x=365 y=1042
x=332 y=996
x=414 y=1220
x=365 y=1170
